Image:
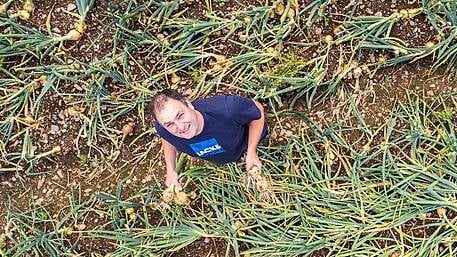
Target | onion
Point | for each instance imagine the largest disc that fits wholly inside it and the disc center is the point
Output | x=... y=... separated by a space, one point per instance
x=175 y=79
x=42 y=79
x=328 y=39
x=65 y=231
x=280 y=8
x=167 y=195
x=72 y=35
x=291 y=14
x=382 y=59
x=129 y=210
x=357 y=72
x=441 y=212
x=430 y=44
x=127 y=128
x=220 y=58
x=193 y=195
x=413 y=12
x=72 y=111
x=254 y=171
x=216 y=68
x=338 y=29
x=28 y=6
x=23 y=15
x=181 y=198
x=403 y=14
x=242 y=37
x=81 y=226
x=395 y=254
x=294 y=4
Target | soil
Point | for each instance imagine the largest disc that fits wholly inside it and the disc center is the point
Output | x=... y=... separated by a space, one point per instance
x=78 y=168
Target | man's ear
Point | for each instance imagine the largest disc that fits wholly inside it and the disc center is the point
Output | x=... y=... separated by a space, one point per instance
x=189 y=104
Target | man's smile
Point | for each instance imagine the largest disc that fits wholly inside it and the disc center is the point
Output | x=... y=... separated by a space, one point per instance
x=186 y=129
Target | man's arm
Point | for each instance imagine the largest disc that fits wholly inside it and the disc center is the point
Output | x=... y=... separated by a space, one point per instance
x=170 y=154
x=255 y=131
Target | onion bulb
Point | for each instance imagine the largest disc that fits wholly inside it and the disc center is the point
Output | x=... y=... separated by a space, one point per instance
x=294 y=4
x=403 y=14
x=357 y=72
x=280 y=8
x=216 y=68
x=28 y=6
x=23 y=15
x=175 y=79
x=127 y=128
x=181 y=198
x=72 y=35
x=395 y=254
x=382 y=59
x=42 y=79
x=243 y=37
x=72 y=111
x=328 y=39
x=291 y=14
x=338 y=29
x=430 y=44
x=129 y=210
x=441 y=212
x=220 y=58
x=167 y=195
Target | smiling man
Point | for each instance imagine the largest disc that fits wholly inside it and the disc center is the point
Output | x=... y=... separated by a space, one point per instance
x=219 y=129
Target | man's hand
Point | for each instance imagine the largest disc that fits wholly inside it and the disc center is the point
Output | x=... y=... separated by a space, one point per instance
x=172 y=180
x=252 y=159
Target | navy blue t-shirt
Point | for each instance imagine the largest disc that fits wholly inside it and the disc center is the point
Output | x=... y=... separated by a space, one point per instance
x=224 y=137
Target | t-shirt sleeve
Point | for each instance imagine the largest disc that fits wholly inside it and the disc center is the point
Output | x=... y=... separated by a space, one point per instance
x=242 y=109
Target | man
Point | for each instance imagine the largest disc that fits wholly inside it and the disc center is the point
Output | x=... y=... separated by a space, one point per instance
x=218 y=129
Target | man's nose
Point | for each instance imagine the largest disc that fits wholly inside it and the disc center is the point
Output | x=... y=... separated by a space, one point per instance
x=181 y=126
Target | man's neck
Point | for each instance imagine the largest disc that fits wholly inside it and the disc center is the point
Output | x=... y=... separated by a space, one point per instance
x=200 y=121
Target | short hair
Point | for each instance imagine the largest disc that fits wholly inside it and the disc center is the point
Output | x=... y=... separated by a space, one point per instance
x=159 y=99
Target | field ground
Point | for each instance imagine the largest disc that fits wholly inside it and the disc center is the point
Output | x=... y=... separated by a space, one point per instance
x=360 y=99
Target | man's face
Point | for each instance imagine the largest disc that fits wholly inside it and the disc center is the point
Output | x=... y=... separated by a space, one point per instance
x=178 y=118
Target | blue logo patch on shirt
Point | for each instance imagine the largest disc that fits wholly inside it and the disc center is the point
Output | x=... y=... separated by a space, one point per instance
x=207 y=147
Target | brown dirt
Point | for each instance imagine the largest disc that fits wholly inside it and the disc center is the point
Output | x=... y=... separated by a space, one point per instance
x=70 y=171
